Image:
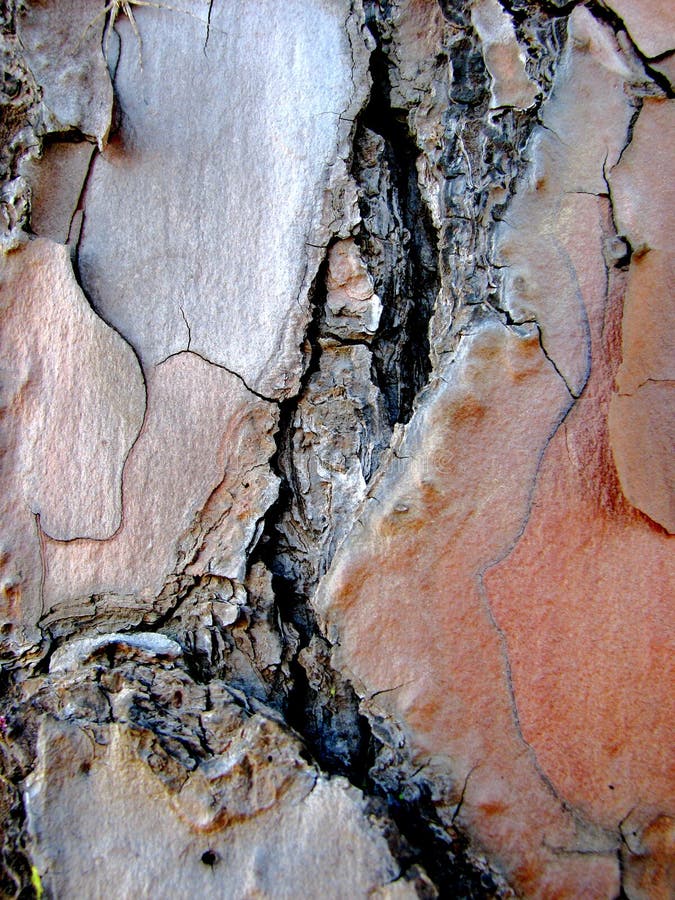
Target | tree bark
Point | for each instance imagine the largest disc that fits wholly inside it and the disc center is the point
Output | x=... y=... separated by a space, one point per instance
x=337 y=448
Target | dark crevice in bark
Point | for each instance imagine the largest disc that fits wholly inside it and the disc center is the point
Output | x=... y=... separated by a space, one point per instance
x=399 y=245
x=267 y=550
x=321 y=705
x=17 y=743
x=402 y=255
x=442 y=854
x=315 y=701
x=521 y=9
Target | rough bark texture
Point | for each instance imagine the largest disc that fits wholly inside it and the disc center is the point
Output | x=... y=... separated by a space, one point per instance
x=337 y=448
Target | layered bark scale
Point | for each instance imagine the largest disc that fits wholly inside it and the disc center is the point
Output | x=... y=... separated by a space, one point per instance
x=336 y=396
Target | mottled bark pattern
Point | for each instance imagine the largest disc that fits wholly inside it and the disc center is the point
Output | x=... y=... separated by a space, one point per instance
x=336 y=441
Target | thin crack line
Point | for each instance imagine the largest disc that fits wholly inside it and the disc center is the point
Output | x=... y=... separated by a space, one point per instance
x=397 y=687
x=208 y=26
x=79 y=205
x=642 y=384
x=187 y=325
x=460 y=802
x=575 y=396
x=210 y=362
x=43 y=563
x=501 y=635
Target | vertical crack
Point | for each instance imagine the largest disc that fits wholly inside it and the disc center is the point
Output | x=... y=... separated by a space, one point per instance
x=319 y=461
x=397 y=238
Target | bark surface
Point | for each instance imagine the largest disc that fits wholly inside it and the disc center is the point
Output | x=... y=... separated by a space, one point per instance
x=336 y=441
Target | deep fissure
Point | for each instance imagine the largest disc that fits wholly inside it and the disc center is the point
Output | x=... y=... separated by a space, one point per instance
x=406 y=276
x=318 y=722
x=317 y=701
x=404 y=262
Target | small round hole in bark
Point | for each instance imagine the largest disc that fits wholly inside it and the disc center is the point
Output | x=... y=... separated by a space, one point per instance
x=210 y=858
